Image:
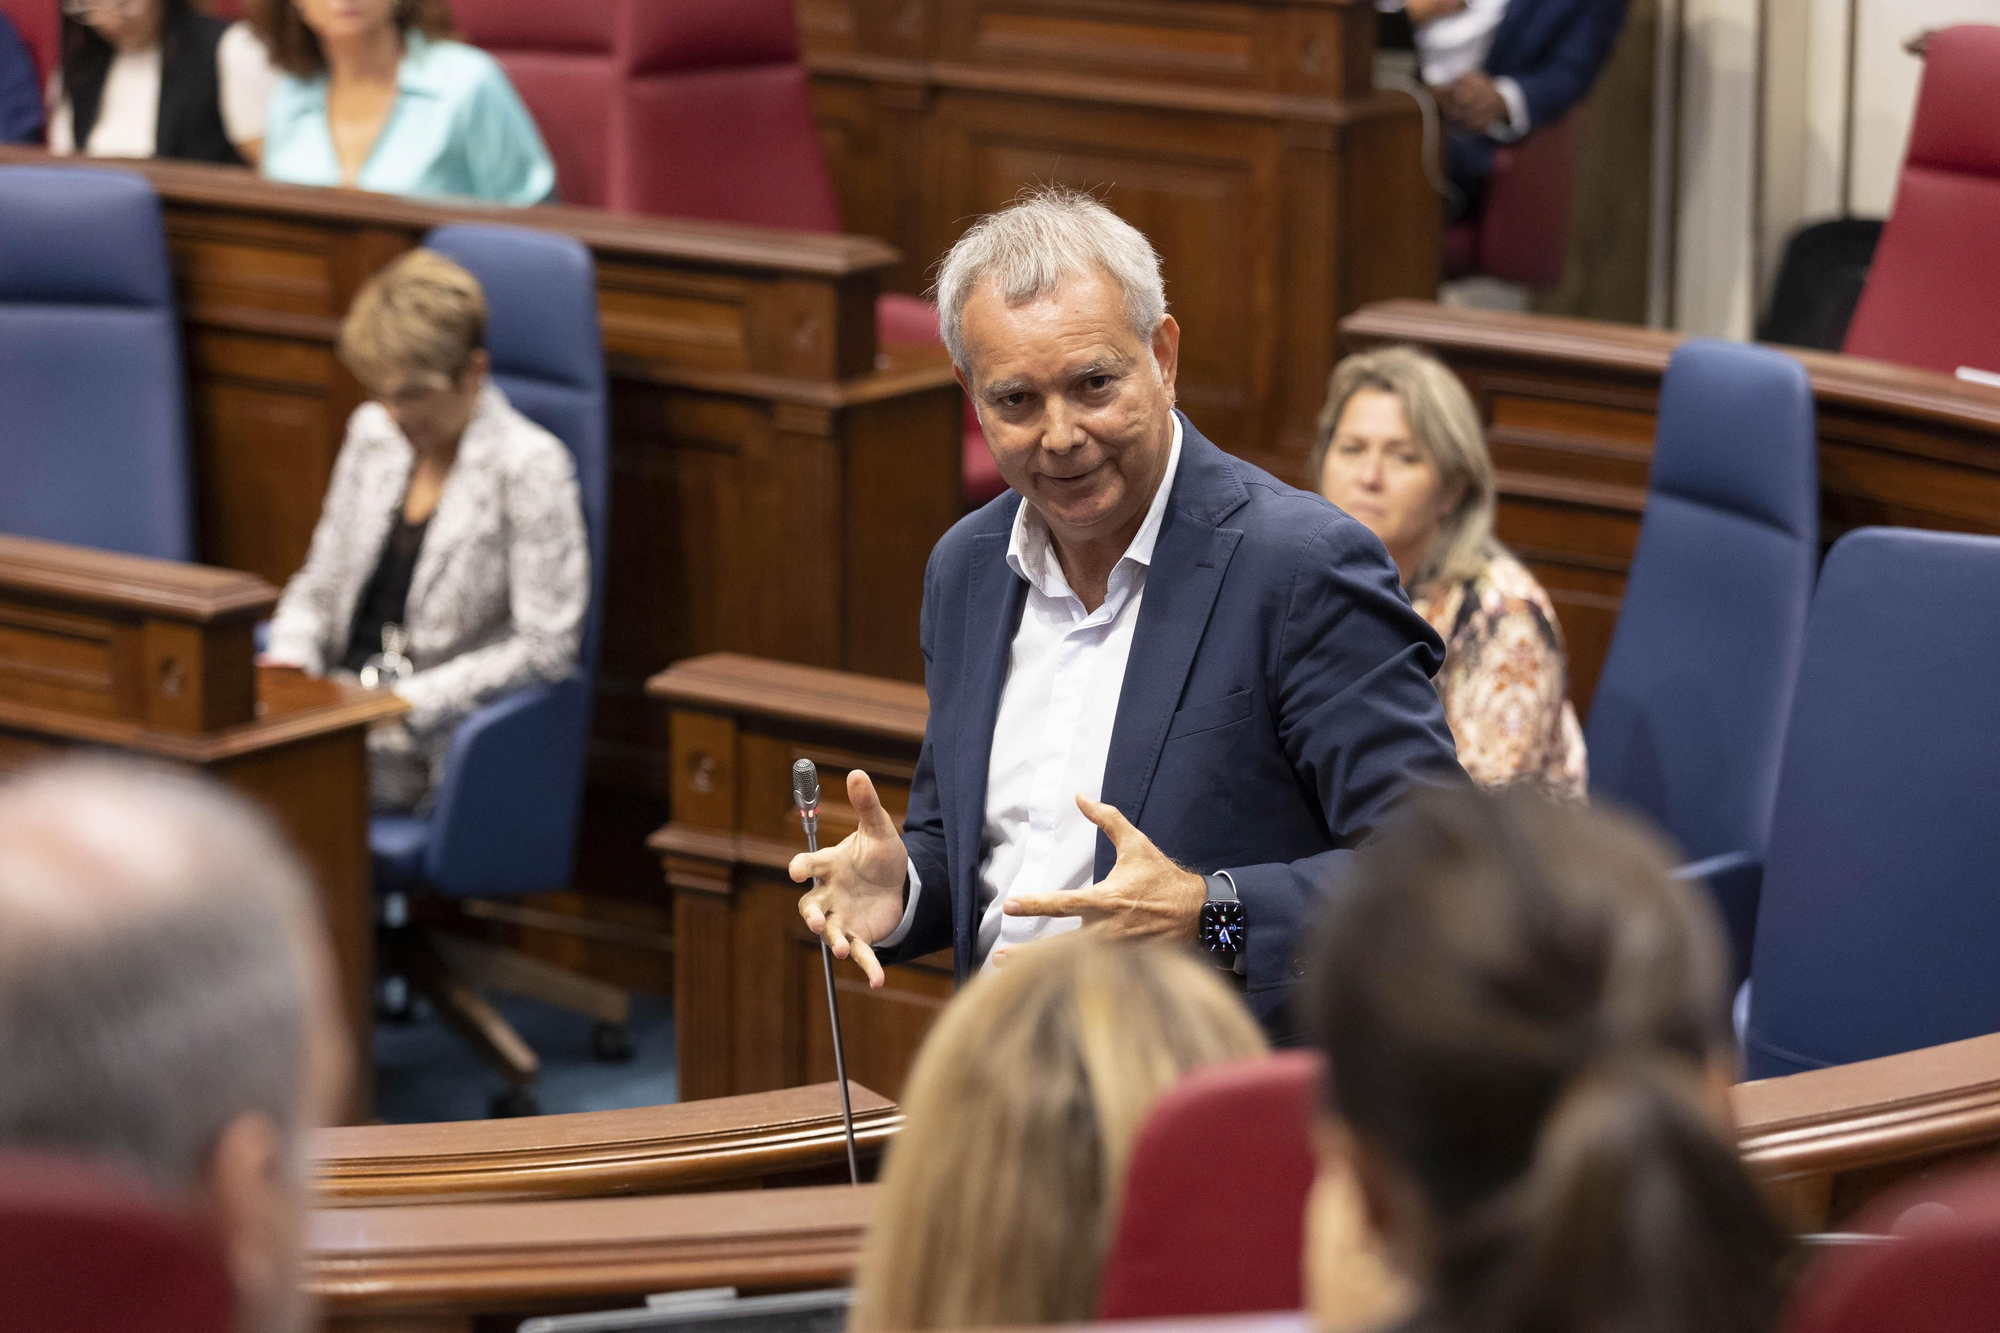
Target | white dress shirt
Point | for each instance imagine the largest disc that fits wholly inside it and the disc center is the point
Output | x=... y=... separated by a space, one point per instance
x=1065 y=673
x=1458 y=44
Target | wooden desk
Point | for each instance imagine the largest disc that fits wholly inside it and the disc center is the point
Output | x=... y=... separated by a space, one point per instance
x=749 y=1005
x=1244 y=137
x=436 y=1268
x=152 y=657
x=791 y=1136
x=1570 y=405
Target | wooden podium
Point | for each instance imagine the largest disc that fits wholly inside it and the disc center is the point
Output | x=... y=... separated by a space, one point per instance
x=155 y=658
x=749 y=1003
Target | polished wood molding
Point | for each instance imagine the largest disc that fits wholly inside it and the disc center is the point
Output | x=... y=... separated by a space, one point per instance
x=1570 y=407
x=725 y=1142
x=193 y=593
x=438 y=1266
x=734 y=683
x=1919 y=1105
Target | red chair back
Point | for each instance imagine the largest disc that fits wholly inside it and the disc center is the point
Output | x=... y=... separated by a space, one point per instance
x=1942 y=1276
x=1522 y=234
x=40 y=25
x=1932 y=299
x=564 y=61
x=82 y=1250
x=1213 y=1218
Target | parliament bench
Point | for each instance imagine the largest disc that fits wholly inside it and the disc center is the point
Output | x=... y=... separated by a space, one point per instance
x=1825 y=1143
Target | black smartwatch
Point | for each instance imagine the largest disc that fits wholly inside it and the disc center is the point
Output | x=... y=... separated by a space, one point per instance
x=1222 y=923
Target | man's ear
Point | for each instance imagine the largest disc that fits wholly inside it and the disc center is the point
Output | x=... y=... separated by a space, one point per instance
x=1167 y=351
x=249 y=1196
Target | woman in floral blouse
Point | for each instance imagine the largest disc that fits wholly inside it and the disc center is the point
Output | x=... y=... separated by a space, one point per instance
x=1401 y=449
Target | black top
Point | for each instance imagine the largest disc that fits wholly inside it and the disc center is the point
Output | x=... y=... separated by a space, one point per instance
x=190 y=120
x=387 y=595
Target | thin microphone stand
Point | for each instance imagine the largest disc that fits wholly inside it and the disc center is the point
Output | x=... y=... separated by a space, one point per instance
x=809 y=816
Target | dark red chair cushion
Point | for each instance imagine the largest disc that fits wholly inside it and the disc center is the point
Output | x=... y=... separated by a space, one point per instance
x=1522 y=233
x=1942 y=1276
x=83 y=1251
x=562 y=60
x=900 y=318
x=1932 y=299
x=1213 y=1219
x=730 y=144
x=40 y=25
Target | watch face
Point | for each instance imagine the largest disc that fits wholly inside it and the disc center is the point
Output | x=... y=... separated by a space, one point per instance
x=1222 y=927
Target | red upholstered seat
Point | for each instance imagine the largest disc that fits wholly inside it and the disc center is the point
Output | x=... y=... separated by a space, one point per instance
x=1213 y=1219
x=692 y=109
x=1943 y=1276
x=1522 y=234
x=1933 y=294
x=84 y=1251
x=40 y=25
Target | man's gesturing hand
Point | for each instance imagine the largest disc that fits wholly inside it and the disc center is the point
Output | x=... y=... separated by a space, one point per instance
x=859 y=896
x=1145 y=893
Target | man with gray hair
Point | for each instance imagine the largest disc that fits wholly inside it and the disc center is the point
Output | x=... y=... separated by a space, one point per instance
x=1169 y=693
x=166 y=1005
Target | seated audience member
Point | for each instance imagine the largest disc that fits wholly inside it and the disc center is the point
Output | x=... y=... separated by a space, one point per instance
x=20 y=98
x=1000 y=1193
x=449 y=560
x=1526 y=1024
x=1500 y=68
x=375 y=95
x=166 y=1005
x=1401 y=449
x=158 y=78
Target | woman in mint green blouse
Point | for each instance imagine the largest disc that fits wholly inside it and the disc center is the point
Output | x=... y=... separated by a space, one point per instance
x=375 y=95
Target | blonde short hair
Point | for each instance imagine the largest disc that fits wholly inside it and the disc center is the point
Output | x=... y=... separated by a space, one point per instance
x=1001 y=1191
x=1444 y=425
x=421 y=313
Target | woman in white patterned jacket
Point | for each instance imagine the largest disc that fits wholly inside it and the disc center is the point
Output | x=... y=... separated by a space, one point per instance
x=449 y=563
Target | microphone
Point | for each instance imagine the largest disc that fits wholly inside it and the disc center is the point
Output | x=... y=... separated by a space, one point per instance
x=805 y=795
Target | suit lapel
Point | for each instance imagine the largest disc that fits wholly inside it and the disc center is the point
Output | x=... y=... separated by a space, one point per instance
x=994 y=597
x=1189 y=561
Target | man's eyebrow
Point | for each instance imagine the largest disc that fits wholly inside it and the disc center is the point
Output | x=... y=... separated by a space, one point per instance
x=1001 y=388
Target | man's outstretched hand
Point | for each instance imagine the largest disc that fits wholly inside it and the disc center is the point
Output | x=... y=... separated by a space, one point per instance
x=1145 y=893
x=858 y=896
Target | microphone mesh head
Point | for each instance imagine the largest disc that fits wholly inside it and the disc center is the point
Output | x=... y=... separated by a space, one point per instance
x=805 y=784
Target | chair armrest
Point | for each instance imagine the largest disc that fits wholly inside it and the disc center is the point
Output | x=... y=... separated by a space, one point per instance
x=505 y=819
x=1735 y=881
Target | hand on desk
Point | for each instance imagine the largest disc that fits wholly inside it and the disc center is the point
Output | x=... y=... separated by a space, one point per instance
x=1145 y=893
x=859 y=894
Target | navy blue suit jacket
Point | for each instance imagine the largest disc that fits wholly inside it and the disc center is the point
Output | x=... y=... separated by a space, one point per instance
x=1554 y=49
x=20 y=94
x=1277 y=699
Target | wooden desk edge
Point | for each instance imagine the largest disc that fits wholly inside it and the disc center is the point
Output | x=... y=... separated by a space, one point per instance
x=355 y=707
x=1916 y=1104
x=650 y=1150
x=198 y=594
x=737 y=684
x=719 y=244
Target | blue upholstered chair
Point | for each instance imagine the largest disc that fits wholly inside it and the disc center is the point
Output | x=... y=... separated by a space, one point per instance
x=1880 y=922
x=1690 y=709
x=504 y=821
x=93 y=413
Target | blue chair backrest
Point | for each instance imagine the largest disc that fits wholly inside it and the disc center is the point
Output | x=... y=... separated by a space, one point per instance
x=541 y=331
x=1690 y=710
x=1879 y=928
x=93 y=411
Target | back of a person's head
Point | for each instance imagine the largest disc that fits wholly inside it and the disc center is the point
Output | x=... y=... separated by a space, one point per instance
x=159 y=966
x=999 y=1195
x=1526 y=1028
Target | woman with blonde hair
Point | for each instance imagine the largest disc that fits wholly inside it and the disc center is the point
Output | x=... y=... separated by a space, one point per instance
x=1400 y=448
x=449 y=563
x=1001 y=1191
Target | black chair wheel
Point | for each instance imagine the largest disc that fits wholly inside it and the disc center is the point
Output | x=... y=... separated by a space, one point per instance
x=611 y=1043
x=516 y=1102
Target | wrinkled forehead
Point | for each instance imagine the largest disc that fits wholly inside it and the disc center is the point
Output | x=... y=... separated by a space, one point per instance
x=1081 y=322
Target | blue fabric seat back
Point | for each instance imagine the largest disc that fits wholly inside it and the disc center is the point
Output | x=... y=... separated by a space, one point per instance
x=1879 y=928
x=93 y=409
x=505 y=820
x=1690 y=710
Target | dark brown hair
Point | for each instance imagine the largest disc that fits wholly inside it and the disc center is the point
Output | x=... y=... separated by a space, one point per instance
x=1521 y=1012
x=295 y=49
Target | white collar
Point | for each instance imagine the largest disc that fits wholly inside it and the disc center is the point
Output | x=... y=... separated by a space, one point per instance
x=1031 y=553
